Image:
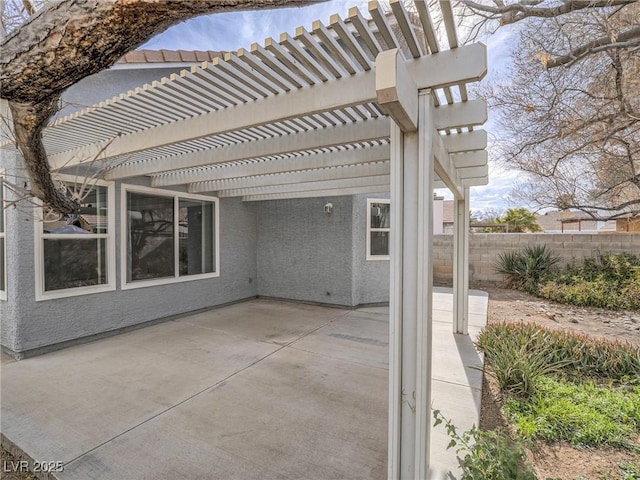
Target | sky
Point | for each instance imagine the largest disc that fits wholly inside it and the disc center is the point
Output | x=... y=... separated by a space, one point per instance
x=234 y=30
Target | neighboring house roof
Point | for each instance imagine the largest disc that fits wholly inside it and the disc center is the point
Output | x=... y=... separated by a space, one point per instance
x=569 y=219
x=169 y=56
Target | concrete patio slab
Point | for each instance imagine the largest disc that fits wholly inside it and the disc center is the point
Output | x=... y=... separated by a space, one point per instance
x=260 y=389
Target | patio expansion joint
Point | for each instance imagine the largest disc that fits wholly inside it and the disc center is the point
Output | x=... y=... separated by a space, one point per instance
x=200 y=392
x=350 y=362
x=458 y=384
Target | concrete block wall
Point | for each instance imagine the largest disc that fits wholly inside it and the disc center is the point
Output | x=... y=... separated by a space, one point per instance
x=484 y=249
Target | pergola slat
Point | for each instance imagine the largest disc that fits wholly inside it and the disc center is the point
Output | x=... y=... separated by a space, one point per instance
x=330 y=43
x=350 y=42
x=406 y=28
x=362 y=27
x=384 y=28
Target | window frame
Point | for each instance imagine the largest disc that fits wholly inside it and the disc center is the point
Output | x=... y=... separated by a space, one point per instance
x=110 y=238
x=370 y=202
x=3 y=236
x=130 y=285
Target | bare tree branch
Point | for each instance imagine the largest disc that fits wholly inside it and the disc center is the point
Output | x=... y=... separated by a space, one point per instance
x=626 y=39
x=515 y=12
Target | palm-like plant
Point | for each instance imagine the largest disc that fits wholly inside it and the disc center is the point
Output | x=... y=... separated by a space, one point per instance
x=520 y=220
x=526 y=269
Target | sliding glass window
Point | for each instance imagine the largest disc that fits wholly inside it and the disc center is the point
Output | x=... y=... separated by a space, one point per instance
x=169 y=237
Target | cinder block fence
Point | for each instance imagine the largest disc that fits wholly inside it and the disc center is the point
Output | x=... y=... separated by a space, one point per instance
x=484 y=249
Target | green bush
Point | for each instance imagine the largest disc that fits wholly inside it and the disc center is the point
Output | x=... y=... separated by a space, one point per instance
x=518 y=360
x=583 y=414
x=570 y=353
x=607 y=281
x=486 y=455
x=526 y=269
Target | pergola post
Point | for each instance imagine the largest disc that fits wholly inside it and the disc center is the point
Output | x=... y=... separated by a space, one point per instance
x=412 y=175
x=461 y=264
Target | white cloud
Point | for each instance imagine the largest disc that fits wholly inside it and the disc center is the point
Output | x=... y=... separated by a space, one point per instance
x=232 y=30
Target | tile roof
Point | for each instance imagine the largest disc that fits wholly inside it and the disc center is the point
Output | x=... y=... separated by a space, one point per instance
x=164 y=56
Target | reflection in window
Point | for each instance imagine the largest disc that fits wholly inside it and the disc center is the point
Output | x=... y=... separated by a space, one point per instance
x=75 y=246
x=196 y=231
x=378 y=229
x=150 y=237
x=169 y=236
x=74 y=263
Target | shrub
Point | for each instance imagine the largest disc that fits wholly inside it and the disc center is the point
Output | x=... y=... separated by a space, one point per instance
x=486 y=455
x=583 y=414
x=518 y=361
x=573 y=354
x=607 y=281
x=524 y=270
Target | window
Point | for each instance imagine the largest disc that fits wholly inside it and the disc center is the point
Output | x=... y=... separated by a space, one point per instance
x=75 y=253
x=169 y=237
x=378 y=228
x=3 y=255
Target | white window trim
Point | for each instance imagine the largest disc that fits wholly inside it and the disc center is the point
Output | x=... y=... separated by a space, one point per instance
x=111 y=248
x=370 y=202
x=3 y=234
x=125 y=285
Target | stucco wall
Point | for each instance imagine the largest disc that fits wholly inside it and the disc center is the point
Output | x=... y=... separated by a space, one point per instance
x=104 y=85
x=304 y=253
x=484 y=249
x=46 y=322
x=370 y=277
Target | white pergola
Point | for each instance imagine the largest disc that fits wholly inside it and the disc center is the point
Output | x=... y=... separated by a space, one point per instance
x=364 y=104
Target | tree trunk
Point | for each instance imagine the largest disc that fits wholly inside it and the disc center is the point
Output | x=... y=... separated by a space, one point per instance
x=71 y=39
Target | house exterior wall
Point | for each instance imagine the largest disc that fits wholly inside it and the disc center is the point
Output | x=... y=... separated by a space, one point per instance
x=97 y=88
x=304 y=253
x=484 y=249
x=28 y=324
x=370 y=277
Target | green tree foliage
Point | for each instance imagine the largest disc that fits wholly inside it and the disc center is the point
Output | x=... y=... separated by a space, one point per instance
x=520 y=220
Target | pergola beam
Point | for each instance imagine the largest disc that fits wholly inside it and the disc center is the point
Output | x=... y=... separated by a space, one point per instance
x=464 y=142
x=338 y=192
x=334 y=173
x=369 y=130
x=444 y=166
x=380 y=181
x=458 y=115
x=349 y=133
x=267 y=166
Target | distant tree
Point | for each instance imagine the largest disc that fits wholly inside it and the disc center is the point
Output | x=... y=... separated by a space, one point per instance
x=486 y=221
x=520 y=220
x=569 y=106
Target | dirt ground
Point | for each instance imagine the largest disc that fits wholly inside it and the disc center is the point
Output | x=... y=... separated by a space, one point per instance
x=560 y=462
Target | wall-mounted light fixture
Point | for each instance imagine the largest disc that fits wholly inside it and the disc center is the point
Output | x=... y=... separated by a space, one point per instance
x=328 y=207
